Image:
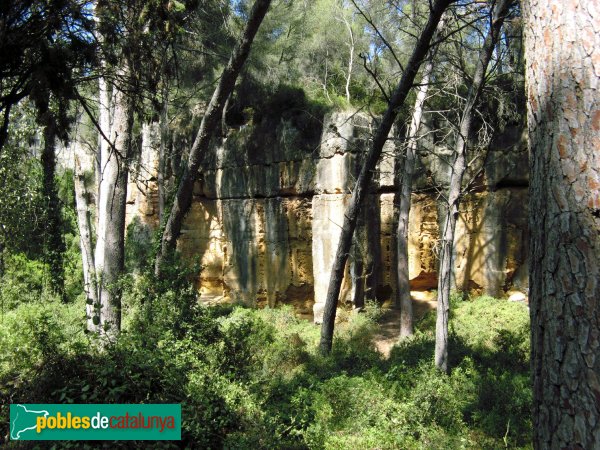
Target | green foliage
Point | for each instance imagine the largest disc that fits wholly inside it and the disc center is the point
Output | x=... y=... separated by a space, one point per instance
x=45 y=47
x=24 y=251
x=269 y=107
x=24 y=281
x=153 y=305
x=373 y=311
x=35 y=337
x=353 y=412
x=73 y=267
x=254 y=378
x=138 y=246
x=21 y=205
x=489 y=342
x=497 y=329
x=71 y=258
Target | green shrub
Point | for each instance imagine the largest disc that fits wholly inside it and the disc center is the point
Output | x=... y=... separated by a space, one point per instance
x=373 y=311
x=503 y=406
x=353 y=349
x=481 y=321
x=497 y=330
x=24 y=281
x=73 y=268
x=352 y=412
x=138 y=246
x=246 y=339
x=220 y=412
x=254 y=379
x=34 y=333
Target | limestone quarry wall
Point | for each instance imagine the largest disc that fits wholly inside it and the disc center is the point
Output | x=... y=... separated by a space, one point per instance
x=269 y=205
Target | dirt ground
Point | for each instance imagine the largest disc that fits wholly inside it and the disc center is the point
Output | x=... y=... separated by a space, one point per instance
x=388 y=333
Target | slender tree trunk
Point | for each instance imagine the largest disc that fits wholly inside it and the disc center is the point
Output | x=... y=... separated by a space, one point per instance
x=224 y=128
x=403 y=300
x=1 y=258
x=563 y=113
x=162 y=156
x=210 y=122
x=15 y=98
x=1 y=272
x=54 y=245
x=366 y=172
x=350 y=59
x=454 y=190
x=326 y=75
x=358 y=278
x=110 y=244
x=499 y=66
x=4 y=126
x=83 y=173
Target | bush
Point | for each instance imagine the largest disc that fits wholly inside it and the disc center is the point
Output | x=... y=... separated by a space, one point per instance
x=24 y=281
x=497 y=329
x=32 y=335
x=352 y=412
x=503 y=406
x=254 y=378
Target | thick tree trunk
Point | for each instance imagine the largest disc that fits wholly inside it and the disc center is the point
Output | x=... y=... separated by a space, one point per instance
x=454 y=190
x=367 y=169
x=563 y=110
x=209 y=124
x=104 y=114
x=83 y=173
x=110 y=244
x=403 y=299
x=54 y=245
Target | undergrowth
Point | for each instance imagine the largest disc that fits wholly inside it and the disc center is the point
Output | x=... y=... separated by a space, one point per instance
x=254 y=378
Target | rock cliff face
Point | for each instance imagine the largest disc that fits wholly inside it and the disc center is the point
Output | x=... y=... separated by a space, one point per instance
x=270 y=202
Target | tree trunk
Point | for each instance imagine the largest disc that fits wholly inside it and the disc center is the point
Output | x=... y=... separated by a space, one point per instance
x=563 y=112
x=367 y=169
x=351 y=44
x=210 y=122
x=454 y=190
x=104 y=113
x=224 y=128
x=54 y=245
x=1 y=259
x=83 y=173
x=4 y=127
x=403 y=300
x=110 y=244
x=162 y=156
